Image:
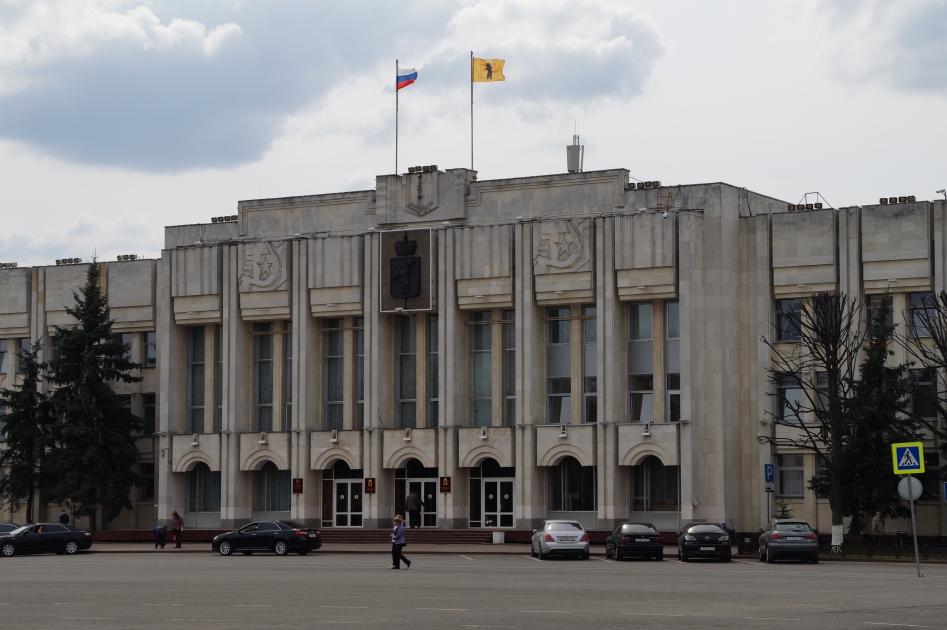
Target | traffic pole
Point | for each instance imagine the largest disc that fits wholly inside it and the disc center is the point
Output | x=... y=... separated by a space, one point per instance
x=917 y=559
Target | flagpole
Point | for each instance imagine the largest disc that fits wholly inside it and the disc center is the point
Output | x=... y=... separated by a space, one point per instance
x=396 y=116
x=471 y=108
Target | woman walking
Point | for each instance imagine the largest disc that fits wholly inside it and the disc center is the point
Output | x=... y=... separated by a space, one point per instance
x=397 y=544
x=178 y=523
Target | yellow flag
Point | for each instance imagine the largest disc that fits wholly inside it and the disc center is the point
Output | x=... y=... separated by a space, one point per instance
x=488 y=70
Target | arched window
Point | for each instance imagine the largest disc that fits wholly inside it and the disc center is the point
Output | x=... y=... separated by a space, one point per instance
x=202 y=489
x=655 y=487
x=271 y=489
x=571 y=487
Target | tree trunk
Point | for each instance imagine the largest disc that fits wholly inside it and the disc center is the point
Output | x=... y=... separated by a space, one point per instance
x=837 y=500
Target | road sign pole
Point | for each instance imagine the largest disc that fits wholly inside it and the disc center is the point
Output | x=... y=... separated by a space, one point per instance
x=917 y=560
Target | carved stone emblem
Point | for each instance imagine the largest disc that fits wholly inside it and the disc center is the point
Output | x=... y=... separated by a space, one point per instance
x=562 y=246
x=263 y=268
x=420 y=193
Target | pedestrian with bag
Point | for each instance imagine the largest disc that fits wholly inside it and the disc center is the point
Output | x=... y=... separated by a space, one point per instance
x=398 y=544
x=159 y=533
x=178 y=523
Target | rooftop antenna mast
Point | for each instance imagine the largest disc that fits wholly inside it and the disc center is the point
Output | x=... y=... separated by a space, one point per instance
x=575 y=153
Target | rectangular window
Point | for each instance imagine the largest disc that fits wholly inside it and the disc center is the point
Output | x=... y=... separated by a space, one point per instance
x=481 y=372
x=790 y=476
x=925 y=389
x=789 y=397
x=287 y=375
x=55 y=352
x=151 y=349
x=821 y=391
x=359 y=373
x=219 y=378
x=332 y=367
x=146 y=492
x=509 y=368
x=202 y=489
x=674 y=397
x=126 y=340
x=571 y=487
x=788 y=318
x=263 y=377
x=23 y=351
x=3 y=355
x=639 y=328
x=640 y=364
x=655 y=487
x=434 y=396
x=641 y=397
x=558 y=365
x=673 y=320
x=923 y=312
x=195 y=379
x=151 y=412
x=272 y=489
x=589 y=364
x=405 y=371
x=872 y=305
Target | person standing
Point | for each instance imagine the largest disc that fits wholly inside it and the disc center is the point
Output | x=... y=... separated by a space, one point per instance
x=877 y=529
x=398 y=544
x=178 y=523
x=413 y=505
x=159 y=533
x=63 y=517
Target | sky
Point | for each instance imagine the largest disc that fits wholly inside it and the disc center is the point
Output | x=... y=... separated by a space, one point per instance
x=119 y=117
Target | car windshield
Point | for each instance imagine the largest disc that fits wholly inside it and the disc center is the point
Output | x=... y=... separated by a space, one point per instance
x=792 y=527
x=20 y=530
x=705 y=529
x=637 y=528
x=563 y=527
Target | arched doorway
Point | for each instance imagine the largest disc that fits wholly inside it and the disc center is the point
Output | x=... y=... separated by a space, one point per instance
x=655 y=493
x=202 y=497
x=414 y=477
x=491 y=495
x=342 y=496
x=272 y=490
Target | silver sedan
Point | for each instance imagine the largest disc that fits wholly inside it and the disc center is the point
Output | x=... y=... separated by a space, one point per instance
x=560 y=538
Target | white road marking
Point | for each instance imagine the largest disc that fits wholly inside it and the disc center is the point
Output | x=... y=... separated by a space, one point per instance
x=899 y=625
x=460 y=609
x=463 y=556
x=654 y=615
x=162 y=604
x=251 y=605
x=73 y=603
x=343 y=606
x=772 y=618
x=558 y=612
x=532 y=558
x=602 y=559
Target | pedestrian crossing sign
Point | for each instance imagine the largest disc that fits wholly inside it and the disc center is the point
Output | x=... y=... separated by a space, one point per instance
x=908 y=458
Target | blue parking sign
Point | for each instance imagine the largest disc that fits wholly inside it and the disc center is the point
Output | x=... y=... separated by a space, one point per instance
x=769 y=473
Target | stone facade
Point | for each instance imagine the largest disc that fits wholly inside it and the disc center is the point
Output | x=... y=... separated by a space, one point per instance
x=305 y=377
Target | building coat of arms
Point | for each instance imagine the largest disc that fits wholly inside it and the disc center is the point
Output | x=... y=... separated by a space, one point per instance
x=262 y=267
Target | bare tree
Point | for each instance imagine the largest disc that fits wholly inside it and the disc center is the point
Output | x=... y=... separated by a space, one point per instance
x=813 y=380
x=925 y=337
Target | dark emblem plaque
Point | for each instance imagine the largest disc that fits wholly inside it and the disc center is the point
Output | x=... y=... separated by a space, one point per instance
x=405 y=270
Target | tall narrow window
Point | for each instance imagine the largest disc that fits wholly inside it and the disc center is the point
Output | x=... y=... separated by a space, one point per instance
x=509 y=368
x=359 y=373
x=791 y=476
x=147 y=487
x=3 y=356
x=481 y=373
x=54 y=351
x=673 y=362
x=151 y=412
x=202 y=489
x=558 y=366
x=872 y=306
x=271 y=489
x=925 y=390
x=287 y=376
x=589 y=364
x=788 y=320
x=23 y=351
x=195 y=379
x=263 y=377
x=571 y=487
x=333 y=390
x=219 y=378
x=405 y=371
x=655 y=487
x=126 y=340
x=789 y=397
x=923 y=312
x=150 y=358
x=640 y=364
x=433 y=387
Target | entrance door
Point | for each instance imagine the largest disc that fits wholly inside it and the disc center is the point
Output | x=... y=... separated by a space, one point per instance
x=348 y=503
x=497 y=502
x=427 y=490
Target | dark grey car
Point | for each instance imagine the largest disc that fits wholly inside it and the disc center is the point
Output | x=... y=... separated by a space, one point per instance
x=789 y=538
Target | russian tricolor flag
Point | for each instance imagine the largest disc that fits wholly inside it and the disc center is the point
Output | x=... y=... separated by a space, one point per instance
x=406 y=77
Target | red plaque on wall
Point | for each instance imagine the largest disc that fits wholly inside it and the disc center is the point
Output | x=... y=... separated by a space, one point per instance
x=297 y=485
x=369 y=485
x=445 y=484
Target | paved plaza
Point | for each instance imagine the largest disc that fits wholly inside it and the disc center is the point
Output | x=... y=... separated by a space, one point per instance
x=457 y=591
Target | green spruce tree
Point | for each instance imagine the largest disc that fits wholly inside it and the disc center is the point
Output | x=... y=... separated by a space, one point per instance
x=27 y=436
x=95 y=446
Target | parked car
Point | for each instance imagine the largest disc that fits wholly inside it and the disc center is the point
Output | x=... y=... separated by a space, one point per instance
x=44 y=537
x=560 y=538
x=280 y=537
x=703 y=540
x=6 y=528
x=789 y=538
x=634 y=539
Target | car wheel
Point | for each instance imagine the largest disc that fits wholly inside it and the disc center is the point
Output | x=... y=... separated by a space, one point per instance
x=769 y=557
x=8 y=550
x=71 y=548
x=303 y=552
x=618 y=555
x=532 y=551
x=659 y=557
x=280 y=548
x=225 y=548
x=814 y=559
x=684 y=557
x=678 y=553
x=542 y=556
x=247 y=553
x=760 y=555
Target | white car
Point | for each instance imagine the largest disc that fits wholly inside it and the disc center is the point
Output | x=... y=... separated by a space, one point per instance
x=560 y=538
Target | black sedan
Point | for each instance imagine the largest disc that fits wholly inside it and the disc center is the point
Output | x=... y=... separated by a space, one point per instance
x=44 y=537
x=280 y=537
x=702 y=540
x=634 y=539
x=6 y=528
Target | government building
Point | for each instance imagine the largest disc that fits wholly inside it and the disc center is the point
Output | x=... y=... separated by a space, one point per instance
x=577 y=346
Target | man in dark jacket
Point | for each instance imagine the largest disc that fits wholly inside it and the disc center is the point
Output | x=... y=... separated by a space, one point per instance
x=412 y=506
x=159 y=532
x=63 y=517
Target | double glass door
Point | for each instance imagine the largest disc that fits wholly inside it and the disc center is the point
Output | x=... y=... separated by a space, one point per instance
x=497 y=502
x=348 y=503
x=427 y=491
